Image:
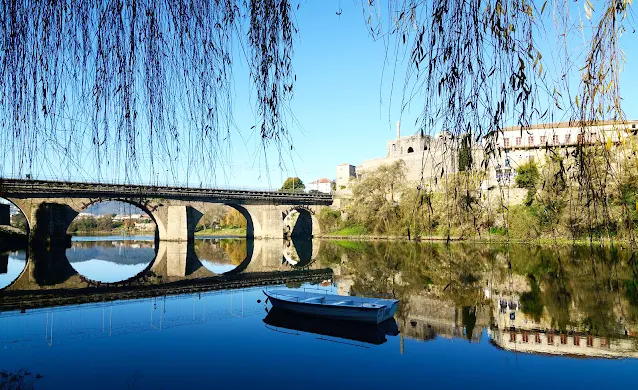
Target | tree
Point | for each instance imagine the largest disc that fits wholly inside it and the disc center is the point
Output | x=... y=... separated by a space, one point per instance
x=527 y=177
x=19 y=221
x=465 y=154
x=375 y=197
x=293 y=183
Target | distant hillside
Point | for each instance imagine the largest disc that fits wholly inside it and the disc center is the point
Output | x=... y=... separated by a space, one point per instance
x=102 y=208
x=112 y=207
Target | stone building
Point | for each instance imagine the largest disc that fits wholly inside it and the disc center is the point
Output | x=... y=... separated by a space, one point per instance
x=429 y=158
x=426 y=157
x=517 y=145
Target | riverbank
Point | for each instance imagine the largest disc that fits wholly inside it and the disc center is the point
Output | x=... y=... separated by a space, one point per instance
x=492 y=239
x=229 y=232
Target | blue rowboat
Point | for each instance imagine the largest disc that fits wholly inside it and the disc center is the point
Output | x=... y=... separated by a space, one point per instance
x=338 y=307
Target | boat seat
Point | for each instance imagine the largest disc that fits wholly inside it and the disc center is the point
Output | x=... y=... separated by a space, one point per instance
x=312 y=300
x=344 y=303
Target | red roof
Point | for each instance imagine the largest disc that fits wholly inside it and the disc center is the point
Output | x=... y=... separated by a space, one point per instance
x=322 y=180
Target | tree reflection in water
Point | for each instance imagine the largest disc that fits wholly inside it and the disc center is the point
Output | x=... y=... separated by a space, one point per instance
x=468 y=287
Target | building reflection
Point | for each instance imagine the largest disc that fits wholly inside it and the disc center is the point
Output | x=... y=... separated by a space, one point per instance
x=515 y=330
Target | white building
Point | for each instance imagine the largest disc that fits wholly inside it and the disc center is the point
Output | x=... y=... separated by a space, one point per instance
x=517 y=145
x=428 y=158
x=322 y=185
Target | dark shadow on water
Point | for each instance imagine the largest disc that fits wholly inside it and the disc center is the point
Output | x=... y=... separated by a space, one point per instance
x=51 y=265
x=284 y=321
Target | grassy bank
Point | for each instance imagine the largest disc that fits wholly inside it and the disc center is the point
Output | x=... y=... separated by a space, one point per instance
x=113 y=232
x=239 y=232
x=361 y=233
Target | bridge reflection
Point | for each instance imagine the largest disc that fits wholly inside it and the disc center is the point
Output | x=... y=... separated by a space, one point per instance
x=49 y=278
x=117 y=318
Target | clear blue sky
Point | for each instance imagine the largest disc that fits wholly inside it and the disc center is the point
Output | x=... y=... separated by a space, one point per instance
x=342 y=102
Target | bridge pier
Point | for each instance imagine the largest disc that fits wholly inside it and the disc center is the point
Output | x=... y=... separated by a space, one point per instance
x=50 y=221
x=5 y=215
x=177 y=223
x=267 y=221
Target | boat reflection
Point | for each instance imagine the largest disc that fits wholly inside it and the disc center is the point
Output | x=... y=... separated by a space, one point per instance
x=282 y=321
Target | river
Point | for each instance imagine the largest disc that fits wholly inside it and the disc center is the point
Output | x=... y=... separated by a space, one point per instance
x=123 y=312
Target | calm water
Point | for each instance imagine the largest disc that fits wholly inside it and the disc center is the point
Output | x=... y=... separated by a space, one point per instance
x=111 y=312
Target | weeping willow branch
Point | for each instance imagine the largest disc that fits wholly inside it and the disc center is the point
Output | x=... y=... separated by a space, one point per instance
x=126 y=83
x=474 y=67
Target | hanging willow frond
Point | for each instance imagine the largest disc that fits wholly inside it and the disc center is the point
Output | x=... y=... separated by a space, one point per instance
x=131 y=82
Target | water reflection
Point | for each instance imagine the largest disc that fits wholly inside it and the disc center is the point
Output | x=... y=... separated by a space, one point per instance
x=285 y=321
x=11 y=266
x=585 y=297
x=520 y=297
x=109 y=260
x=221 y=255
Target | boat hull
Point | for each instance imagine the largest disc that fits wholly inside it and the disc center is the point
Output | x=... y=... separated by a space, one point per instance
x=345 y=313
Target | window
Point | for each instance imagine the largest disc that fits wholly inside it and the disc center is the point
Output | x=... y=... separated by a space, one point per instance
x=525 y=337
x=537 y=338
x=530 y=140
x=563 y=338
x=555 y=140
x=590 y=340
x=519 y=141
x=512 y=337
x=579 y=138
x=567 y=138
x=507 y=162
x=506 y=142
x=410 y=150
x=550 y=338
x=394 y=147
x=543 y=140
x=577 y=340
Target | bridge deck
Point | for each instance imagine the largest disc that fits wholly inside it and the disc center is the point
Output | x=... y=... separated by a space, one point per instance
x=43 y=188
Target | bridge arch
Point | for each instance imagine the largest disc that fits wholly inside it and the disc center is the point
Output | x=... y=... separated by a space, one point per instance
x=300 y=221
x=17 y=204
x=145 y=206
x=204 y=208
x=237 y=266
x=250 y=221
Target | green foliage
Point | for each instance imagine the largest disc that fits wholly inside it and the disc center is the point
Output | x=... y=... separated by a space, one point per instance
x=329 y=220
x=531 y=301
x=19 y=221
x=465 y=154
x=84 y=224
x=527 y=175
x=352 y=230
x=293 y=183
x=375 y=198
x=498 y=230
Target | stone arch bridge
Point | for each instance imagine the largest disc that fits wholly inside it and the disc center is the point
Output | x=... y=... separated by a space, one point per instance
x=51 y=206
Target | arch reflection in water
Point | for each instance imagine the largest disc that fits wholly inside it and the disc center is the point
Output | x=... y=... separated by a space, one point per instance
x=282 y=320
x=110 y=259
x=11 y=266
x=222 y=255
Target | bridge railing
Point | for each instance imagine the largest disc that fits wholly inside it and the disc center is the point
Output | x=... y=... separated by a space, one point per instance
x=113 y=187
